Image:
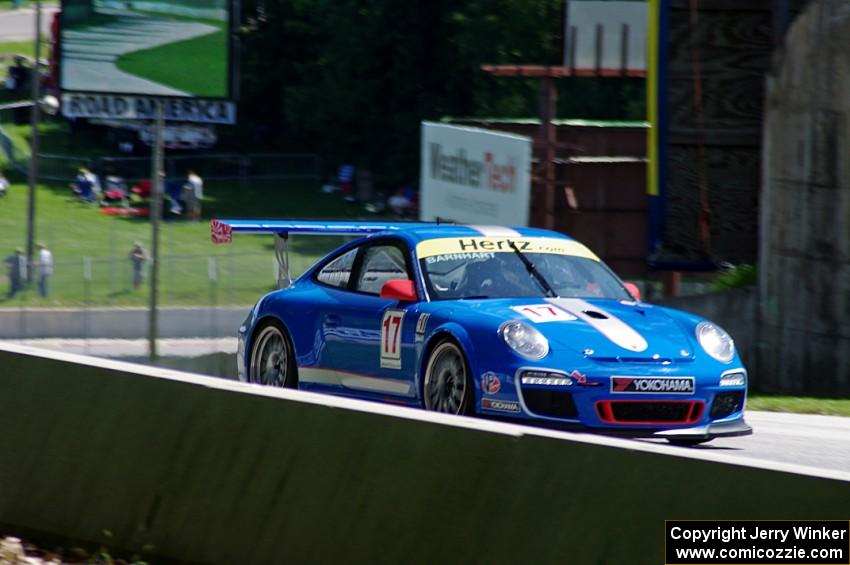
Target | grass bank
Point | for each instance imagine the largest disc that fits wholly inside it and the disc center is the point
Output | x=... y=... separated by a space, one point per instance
x=193 y=270
x=800 y=405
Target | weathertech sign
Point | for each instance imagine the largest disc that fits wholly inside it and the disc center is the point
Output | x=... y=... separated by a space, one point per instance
x=474 y=176
x=652 y=385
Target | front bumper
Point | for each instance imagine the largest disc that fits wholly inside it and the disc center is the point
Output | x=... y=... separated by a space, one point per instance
x=588 y=400
x=731 y=428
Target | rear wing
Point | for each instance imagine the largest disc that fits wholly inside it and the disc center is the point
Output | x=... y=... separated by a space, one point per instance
x=223 y=230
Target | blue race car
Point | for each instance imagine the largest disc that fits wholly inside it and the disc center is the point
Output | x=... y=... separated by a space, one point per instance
x=524 y=324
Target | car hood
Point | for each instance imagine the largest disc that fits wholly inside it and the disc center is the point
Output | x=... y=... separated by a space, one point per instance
x=602 y=329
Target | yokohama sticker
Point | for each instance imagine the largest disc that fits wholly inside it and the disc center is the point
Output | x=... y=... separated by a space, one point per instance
x=499 y=405
x=652 y=385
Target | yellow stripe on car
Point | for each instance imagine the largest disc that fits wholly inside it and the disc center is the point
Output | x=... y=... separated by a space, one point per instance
x=452 y=245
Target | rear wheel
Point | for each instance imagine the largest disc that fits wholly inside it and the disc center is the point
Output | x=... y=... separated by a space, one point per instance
x=447 y=385
x=272 y=357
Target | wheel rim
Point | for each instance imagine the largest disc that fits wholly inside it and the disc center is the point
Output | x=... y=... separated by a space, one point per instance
x=445 y=380
x=270 y=359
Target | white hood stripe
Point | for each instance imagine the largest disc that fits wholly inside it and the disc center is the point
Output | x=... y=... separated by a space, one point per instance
x=495 y=231
x=611 y=327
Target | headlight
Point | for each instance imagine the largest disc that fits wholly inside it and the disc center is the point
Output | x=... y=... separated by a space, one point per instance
x=715 y=341
x=524 y=339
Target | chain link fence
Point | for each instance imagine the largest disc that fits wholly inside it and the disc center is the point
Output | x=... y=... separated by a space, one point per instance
x=211 y=166
x=184 y=280
x=16 y=159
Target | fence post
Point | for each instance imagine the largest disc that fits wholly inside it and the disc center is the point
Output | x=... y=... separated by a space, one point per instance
x=212 y=272
x=86 y=298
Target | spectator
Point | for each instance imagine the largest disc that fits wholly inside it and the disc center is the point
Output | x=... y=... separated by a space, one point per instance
x=330 y=185
x=82 y=185
x=194 y=191
x=17 y=271
x=4 y=185
x=95 y=184
x=45 y=269
x=116 y=190
x=138 y=256
x=400 y=203
x=175 y=196
x=345 y=179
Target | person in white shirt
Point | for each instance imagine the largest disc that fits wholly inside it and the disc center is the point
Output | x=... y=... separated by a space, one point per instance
x=194 y=192
x=95 y=185
x=4 y=185
x=45 y=269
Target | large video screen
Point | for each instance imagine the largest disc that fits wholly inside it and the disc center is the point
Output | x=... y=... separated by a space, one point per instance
x=174 y=48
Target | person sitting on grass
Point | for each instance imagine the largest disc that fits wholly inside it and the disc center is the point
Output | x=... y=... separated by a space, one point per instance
x=400 y=203
x=86 y=185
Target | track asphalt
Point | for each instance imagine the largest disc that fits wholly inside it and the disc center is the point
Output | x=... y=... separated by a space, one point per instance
x=19 y=25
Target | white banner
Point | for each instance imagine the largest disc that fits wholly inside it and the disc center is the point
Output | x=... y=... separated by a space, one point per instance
x=119 y=107
x=474 y=176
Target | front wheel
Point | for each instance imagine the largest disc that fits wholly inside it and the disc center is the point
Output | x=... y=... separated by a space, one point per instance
x=272 y=358
x=447 y=385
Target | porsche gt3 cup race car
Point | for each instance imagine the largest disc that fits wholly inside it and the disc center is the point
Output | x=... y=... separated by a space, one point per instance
x=514 y=323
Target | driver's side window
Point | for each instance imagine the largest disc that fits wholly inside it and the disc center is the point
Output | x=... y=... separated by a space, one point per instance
x=381 y=263
x=337 y=272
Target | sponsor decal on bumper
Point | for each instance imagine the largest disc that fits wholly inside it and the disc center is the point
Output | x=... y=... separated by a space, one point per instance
x=490 y=383
x=653 y=385
x=500 y=405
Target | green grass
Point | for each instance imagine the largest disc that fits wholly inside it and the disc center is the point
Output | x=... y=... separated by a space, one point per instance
x=8 y=50
x=800 y=405
x=18 y=48
x=8 y=4
x=55 y=136
x=177 y=64
x=245 y=269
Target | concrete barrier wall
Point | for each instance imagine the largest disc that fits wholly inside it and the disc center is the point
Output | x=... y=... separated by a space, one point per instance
x=209 y=470
x=119 y=323
x=804 y=259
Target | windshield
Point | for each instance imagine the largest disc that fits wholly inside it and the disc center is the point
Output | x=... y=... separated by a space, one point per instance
x=505 y=275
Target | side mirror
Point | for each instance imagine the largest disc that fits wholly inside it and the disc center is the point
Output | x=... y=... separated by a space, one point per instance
x=633 y=289
x=399 y=289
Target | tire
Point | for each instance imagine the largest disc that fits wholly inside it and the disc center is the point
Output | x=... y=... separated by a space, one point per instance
x=447 y=386
x=688 y=442
x=272 y=360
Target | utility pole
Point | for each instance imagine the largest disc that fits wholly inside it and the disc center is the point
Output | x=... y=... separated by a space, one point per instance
x=157 y=174
x=34 y=118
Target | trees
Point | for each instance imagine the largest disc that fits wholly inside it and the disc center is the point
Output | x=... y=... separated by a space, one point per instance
x=351 y=80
